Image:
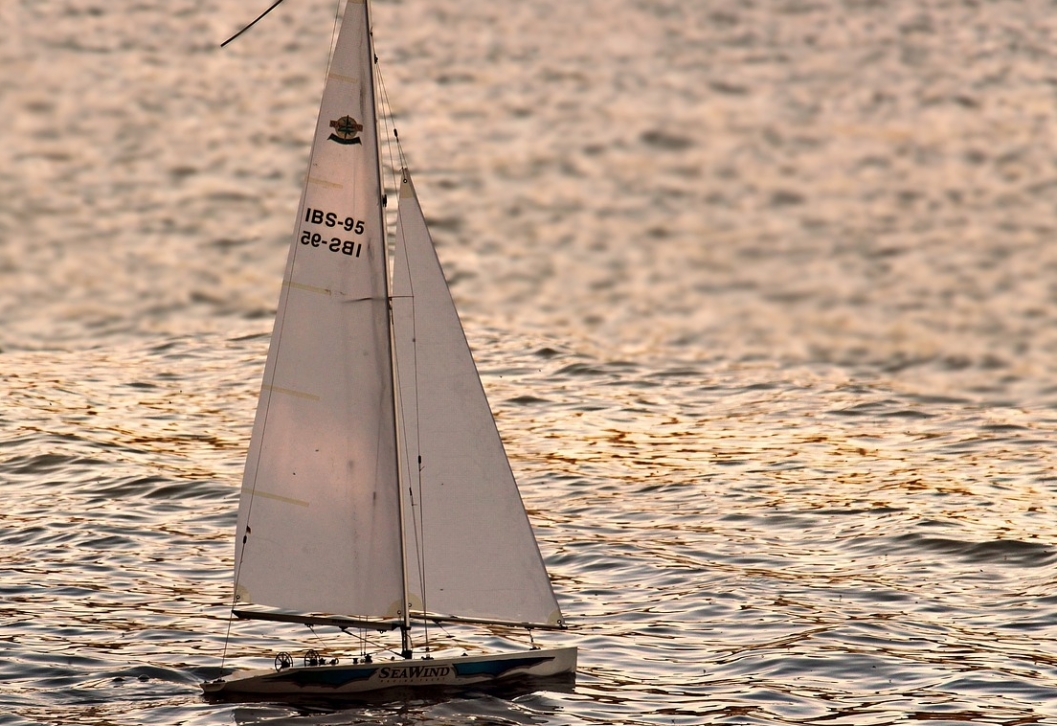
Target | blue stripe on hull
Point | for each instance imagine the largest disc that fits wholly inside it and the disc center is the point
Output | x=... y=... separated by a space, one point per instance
x=496 y=667
x=332 y=677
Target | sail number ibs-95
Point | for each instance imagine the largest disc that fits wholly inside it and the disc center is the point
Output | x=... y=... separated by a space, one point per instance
x=334 y=244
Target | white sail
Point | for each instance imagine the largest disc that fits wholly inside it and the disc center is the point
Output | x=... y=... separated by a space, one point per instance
x=317 y=523
x=471 y=551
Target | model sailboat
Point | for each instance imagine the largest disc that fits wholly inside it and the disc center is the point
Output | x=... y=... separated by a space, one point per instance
x=377 y=493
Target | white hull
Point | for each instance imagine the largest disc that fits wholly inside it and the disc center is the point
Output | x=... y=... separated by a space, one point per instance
x=341 y=680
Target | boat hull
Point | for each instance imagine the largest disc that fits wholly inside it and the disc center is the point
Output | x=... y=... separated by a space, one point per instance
x=357 y=678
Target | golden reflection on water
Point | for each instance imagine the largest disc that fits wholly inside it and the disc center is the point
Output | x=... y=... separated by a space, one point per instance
x=714 y=531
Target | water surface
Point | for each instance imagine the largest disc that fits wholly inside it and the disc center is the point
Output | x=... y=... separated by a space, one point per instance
x=761 y=294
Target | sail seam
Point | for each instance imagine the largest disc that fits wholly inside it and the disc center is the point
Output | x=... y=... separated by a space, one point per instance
x=346 y=79
x=291 y=392
x=278 y=498
x=308 y=288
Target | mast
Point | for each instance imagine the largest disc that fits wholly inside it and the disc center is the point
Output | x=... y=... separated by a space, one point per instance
x=405 y=609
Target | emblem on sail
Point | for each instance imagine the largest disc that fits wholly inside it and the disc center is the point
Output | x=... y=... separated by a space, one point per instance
x=346 y=130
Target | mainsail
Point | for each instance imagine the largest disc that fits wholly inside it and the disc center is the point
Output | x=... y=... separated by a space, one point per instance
x=316 y=523
x=475 y=555
x=321 y=517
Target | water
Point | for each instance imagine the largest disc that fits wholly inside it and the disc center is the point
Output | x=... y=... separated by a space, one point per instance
x=761 y=292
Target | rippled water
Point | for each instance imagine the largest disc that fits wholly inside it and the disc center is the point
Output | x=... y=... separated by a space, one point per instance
x=762 y=294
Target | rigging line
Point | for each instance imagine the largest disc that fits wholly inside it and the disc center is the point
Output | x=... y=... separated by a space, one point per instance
x=420 y=521
x=414 y=476
x=363 y=641
x=360 y=639
x=372 y=102
x=421 y=524
x=224 y=653
x=315 y=634
x=445 y=631
x=333 y=33
x=417 y=520
x=387 y=114
x=273 y=7
x=396 y=134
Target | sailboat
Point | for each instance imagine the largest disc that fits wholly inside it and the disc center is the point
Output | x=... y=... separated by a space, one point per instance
x=377 y=494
